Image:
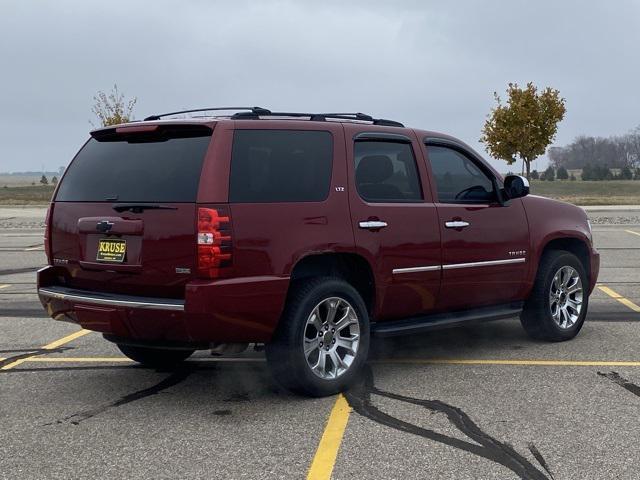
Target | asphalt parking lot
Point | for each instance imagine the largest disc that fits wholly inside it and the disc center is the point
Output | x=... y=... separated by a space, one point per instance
x=483 y=401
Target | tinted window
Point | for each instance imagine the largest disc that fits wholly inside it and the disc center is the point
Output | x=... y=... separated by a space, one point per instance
x=386 y=172
x=280 y=166
x=150 y=170
x=458 y=178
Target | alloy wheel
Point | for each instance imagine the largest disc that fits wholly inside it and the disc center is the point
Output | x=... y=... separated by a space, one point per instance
x=331 y=338
x=565 y=297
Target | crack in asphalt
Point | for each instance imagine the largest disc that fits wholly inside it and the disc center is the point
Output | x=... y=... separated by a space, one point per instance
x=24 y=312
x=623 y=382
x=173 y=379
x=19 y=270
x=359 y=398
x=29 y=353
x=538 y=456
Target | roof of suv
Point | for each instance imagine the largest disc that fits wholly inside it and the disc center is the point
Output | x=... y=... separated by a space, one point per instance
x=291 y=118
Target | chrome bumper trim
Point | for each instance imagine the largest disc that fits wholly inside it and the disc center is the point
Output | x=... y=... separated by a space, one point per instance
x=112 y=300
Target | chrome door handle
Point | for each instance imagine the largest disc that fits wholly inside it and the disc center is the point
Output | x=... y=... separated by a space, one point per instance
x=456 y=224
x=372 y=224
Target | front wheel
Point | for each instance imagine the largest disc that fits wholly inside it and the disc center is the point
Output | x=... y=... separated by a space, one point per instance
x=155 y=357
x=557 y=306
x=322 y=340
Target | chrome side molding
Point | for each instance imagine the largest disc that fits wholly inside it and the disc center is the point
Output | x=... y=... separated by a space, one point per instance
x=489 y=263
x=452 y=266
x=430 y=268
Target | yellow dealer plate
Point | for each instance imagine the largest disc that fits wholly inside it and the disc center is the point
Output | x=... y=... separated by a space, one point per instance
x=111 y=250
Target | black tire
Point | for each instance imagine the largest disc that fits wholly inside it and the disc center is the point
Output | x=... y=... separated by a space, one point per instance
x=155 y=357
x=536 y=317
x=285 y=353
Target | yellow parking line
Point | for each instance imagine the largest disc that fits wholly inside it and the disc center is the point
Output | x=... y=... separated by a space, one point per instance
x=549 y=363
x=78 y=359
x=49 y=346
x=615 y=295
x=632 y=232
x=325 y=457
x=389 y=361
x=125 y=359
x=6 y=285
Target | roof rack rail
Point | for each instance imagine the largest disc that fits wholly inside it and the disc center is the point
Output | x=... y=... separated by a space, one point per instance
x=254 y=113
x=252 y=110
x=318 y=117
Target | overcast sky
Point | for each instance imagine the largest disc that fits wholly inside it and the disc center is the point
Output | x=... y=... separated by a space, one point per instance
x=432 y=65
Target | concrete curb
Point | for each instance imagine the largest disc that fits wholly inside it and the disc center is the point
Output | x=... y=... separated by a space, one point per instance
x=611 y=208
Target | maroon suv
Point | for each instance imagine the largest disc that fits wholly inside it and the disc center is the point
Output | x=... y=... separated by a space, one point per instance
x=305 y=232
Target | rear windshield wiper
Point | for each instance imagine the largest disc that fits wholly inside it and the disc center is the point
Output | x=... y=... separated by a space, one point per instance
x=140 y=207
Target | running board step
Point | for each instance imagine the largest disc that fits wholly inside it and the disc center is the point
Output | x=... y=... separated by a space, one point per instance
x=445 y=320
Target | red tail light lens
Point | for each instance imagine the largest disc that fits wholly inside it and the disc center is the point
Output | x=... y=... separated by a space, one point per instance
x=214 y=242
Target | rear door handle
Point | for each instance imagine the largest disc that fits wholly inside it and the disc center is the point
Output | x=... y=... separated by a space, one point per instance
x=456 y=224
x=372 y=224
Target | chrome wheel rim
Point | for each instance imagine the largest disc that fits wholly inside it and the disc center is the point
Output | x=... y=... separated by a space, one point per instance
x=331 y=338
x=565 y=297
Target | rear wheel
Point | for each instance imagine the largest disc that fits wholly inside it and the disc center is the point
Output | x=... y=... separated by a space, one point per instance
x=557 y=306
x=155 y=357
x=322 y=340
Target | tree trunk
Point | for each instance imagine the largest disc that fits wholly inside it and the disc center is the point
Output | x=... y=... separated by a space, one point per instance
x=527 y=162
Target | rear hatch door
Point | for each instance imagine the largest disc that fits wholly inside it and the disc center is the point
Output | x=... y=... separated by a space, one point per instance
x=124 y=217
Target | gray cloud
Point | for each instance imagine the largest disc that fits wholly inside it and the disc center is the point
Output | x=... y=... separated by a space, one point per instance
x=431 y=65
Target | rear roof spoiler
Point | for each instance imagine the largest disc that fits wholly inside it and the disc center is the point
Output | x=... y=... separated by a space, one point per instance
x=151 y=132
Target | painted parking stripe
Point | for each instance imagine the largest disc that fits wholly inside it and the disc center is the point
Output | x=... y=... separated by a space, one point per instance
x=5 y=285
x=388 y=361
x=615 y=295
x=80 y=359
x=512 y=362
x=128 y=360
x=632 y=232
x=37 y=247
x=327 y=452
x=49 y=346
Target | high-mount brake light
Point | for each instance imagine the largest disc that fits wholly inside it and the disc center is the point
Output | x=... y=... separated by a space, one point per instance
x=214 y=241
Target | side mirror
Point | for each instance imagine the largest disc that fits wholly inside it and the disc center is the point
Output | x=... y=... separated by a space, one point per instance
x=516 y=186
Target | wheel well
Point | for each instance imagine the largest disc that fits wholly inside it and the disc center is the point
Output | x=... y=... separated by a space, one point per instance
x=573 y=245
x=351 y=267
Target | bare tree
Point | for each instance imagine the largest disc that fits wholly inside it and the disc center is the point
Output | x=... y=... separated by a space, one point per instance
x=112 y=108
x=617 y=152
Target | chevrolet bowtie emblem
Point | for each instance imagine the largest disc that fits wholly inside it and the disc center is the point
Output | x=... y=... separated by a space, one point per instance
x=104 y=226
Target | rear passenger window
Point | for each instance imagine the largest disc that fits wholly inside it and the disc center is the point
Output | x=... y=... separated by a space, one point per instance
x=386 y=172
x=280 y=166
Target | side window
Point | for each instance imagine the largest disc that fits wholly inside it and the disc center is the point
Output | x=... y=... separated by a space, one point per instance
x=280 y=166
x=386 y=172
x=459 y=180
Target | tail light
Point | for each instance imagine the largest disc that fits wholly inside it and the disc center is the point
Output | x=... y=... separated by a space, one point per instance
x=47 y=234
x=214 y=242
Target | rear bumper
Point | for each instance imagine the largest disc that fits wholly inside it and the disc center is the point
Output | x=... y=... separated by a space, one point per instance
x=232 y=310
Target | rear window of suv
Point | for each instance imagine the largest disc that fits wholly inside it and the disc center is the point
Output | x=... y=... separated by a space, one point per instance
x=280 y=166
x=162 y=167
